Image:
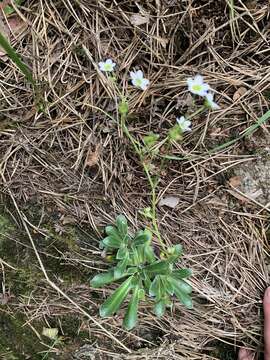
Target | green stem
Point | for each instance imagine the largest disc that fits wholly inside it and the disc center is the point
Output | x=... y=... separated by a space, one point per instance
x=137 y=148
x=201 y=109
x=153 y=206
x=133 y=141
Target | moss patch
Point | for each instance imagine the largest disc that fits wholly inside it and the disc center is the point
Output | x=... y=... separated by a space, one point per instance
x=21 y=342
x=223 y=352
x=6 y=227
x=18 y=342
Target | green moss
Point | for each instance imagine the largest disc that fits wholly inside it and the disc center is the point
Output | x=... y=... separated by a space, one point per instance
x=70 y=325
x=6 y=227
x=223 y=351
x=17 y=340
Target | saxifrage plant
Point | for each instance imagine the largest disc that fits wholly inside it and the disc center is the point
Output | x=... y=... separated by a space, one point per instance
x=139 y=271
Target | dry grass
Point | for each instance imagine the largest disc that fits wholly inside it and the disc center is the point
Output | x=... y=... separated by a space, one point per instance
x=44 y=156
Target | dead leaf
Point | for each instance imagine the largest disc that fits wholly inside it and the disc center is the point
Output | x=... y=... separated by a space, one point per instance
x=4 y=299
x=251 y=4
x=138 y=19
x=188 y=101
x=235 y=181
x=254 y=195
x=163 y=42
x=238 y=196
x=246 y=197
x=170 y=201
x=93 y=157
x=239 y=92
x=66 y=219
x=215 y=132
x=50 y=333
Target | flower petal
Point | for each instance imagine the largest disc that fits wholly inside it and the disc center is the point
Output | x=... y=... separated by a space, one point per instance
x=132 y=75
x=198 y=79
x=181 y=120
x=101 y=66
x=144 y=84
x=206 y=87
x=190 y=82
x=210 y=97
x=139 y=74
x=188 y=123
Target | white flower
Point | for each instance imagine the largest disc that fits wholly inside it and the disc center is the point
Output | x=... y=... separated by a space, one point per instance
x=197 y=86
x=107 y=65
x=209 y=102
x=138 y=80
x=185 y=125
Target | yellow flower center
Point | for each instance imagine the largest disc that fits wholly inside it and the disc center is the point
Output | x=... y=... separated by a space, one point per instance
x=138 y=82
x=197 y=87
x=108 y=67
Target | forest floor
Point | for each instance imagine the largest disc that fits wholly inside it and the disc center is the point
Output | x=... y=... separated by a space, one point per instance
x=66 y=171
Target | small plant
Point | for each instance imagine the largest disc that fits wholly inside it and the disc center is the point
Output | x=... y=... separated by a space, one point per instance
x=139 y=271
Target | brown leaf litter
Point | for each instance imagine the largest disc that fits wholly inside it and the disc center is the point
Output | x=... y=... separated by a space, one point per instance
x=50 y=158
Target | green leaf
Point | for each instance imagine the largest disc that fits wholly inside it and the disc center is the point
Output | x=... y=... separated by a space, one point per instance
x=111 y=242
x=159 y=308
x=131 y=315
x=9 y=9
x=183 y=296
x=168 y=286
x=181 y=284
x=151 y=139
x=11 y=52
x=102 y=279
x=147 y=281
x=178 y=249
x=136 y=256
x=142 y=237
x=113 y=303
x=147 y=212
x=140 y=249
x=121 y=223
x=175 y=133
x=123 y=107
x=122 y=253
x=181 y=273
x=120 y=269
x=101 y=246
x=149 y=253
x=141 y=294
x=131 y=270
x=112 y=231
x=161 y=267
x=184 y=299
x=174 y=253
x=156 y=288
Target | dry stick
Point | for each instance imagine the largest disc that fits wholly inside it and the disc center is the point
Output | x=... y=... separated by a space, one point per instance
x=8 y=265
x=54 y=286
